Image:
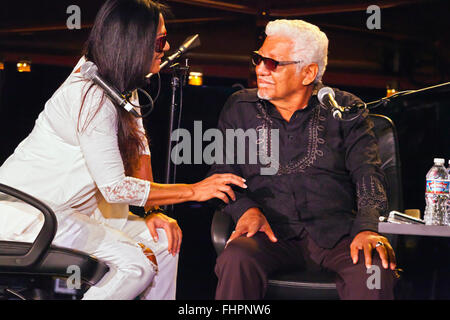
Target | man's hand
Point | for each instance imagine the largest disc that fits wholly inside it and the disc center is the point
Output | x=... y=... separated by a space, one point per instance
x=367 y=241
x=173 y=231
x=252 y=221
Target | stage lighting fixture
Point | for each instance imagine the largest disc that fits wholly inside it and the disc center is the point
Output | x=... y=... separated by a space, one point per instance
x=390 y=92
x=195 y=78
x=2 y=65
x=24 y=66
x=391 y=88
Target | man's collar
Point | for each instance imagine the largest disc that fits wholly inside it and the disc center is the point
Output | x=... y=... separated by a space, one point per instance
x=272 y=110
x=319 y=85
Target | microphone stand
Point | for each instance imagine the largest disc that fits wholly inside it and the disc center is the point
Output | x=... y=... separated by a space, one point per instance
x=178 y=80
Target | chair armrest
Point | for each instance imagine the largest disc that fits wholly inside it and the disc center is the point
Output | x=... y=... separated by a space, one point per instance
x=42 y=243
x=221 y=228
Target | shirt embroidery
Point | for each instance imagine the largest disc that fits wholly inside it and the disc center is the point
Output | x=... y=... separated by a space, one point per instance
x=264 y=141
x=315 y=139
x=371 y=195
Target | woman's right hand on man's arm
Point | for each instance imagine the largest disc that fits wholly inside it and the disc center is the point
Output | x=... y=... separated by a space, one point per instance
x=215 y=186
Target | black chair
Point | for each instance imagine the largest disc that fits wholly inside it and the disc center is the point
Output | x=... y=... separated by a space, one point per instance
x=35 y=270
x=312 y=283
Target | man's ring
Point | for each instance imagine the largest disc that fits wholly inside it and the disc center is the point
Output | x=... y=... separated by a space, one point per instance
x=379 y=244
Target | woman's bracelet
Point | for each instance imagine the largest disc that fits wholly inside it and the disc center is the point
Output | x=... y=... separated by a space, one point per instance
x=153 y=210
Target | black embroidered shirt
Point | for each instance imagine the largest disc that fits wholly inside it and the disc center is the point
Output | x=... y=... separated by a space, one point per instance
x=328 y=179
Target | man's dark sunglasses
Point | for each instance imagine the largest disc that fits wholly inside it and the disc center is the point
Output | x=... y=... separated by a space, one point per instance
x=160 y=43
x=270 y=63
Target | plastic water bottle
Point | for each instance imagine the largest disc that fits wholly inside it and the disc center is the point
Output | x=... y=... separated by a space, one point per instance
x=436 y=193
x=447 y=212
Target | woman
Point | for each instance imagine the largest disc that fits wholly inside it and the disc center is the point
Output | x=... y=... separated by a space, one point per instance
x=89 y=159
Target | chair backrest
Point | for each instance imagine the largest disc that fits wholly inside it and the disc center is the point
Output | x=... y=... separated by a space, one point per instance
x=40 y=259
x=221 y=228
x=43 y=240
x=386 y=134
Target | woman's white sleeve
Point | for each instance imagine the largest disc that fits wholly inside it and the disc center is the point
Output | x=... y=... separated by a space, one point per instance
x=100 y=148
x=129 y=190
x=140 y=125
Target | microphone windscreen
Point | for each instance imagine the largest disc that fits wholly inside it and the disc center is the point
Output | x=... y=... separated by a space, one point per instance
x=191 y=42
x=323 y=92
x=88 y=70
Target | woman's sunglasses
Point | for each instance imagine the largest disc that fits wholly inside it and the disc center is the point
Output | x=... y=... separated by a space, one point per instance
x=160 y=43
x=270 y=63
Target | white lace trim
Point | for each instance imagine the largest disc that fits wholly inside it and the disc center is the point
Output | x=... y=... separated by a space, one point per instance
x=130 y=190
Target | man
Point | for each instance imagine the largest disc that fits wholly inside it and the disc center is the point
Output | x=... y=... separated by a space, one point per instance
x=325 y=198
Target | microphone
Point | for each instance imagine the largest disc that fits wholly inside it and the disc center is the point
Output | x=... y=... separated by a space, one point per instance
x=89 y=71
x=326 y=97
x=190 y=43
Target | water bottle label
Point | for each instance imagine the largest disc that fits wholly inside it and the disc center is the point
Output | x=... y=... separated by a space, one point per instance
x=438 y=186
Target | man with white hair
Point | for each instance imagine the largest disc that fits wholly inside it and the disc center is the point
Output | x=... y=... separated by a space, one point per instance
x=325 y=199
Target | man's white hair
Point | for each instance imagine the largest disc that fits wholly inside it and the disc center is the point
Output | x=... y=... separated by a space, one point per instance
x=310 y=44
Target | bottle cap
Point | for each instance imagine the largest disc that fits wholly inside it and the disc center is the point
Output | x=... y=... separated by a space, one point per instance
x=439 y=161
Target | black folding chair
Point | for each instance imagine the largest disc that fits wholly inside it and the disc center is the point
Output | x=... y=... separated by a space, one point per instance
x=39 y=270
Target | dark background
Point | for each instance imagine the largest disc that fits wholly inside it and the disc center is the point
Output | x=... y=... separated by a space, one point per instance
x=410 y=51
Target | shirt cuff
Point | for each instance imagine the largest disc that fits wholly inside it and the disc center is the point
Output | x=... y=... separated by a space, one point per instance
x=367 y=220
x=239 y=207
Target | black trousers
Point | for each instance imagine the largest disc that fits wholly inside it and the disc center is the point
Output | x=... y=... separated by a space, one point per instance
x=245 y=264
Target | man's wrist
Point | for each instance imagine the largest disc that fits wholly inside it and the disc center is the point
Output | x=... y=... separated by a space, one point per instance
x=240 y=206
x=253 y=210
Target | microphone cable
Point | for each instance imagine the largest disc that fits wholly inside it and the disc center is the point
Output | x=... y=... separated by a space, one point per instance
x=361 y=108
x=374 y=104
x=151 y=104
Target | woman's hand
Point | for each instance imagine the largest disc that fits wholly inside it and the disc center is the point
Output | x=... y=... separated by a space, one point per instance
x=217 y=186
x=170 y=226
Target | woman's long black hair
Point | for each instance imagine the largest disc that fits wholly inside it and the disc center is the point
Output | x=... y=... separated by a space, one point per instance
x=121 y=44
